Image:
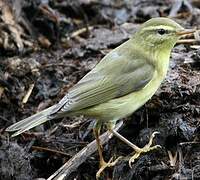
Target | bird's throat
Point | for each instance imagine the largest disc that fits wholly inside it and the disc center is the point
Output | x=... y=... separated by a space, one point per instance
x=162 y=62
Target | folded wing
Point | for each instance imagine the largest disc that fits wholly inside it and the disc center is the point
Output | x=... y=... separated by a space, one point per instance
x=106 y=82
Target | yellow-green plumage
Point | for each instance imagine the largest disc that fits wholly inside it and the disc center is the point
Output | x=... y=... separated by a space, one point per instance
x=123 y=81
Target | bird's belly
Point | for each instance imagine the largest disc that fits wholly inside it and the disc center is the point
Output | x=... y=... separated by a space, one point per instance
x=121 y=107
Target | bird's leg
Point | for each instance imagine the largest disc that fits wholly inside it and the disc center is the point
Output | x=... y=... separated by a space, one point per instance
x=103 y=164
x=138 y=151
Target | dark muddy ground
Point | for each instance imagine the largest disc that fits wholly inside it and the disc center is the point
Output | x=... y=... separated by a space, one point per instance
x=47 y=46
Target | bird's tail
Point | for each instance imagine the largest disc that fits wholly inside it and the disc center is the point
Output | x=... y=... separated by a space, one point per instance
x=30 y=122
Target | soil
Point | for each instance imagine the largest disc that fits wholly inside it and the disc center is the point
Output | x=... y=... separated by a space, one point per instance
x=48 y=46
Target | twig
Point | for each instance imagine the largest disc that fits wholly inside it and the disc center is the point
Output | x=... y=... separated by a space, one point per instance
x=71 y=126
x=187 y=41
x=26 y=97
x=73 y=163
x=80 y=31
x=50 y=150
x=188 y=143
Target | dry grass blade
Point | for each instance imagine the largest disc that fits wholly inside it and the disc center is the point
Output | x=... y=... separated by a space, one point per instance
x=172 y=159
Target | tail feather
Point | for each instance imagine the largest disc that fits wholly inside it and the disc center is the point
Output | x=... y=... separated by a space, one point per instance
x=30 y=122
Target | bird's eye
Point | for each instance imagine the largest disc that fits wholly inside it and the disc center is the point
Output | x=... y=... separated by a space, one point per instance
x=161 y=31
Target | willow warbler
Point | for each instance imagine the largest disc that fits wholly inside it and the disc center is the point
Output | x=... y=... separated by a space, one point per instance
x=125 y=79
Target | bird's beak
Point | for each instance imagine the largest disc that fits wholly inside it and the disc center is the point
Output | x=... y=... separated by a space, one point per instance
x=185 y=32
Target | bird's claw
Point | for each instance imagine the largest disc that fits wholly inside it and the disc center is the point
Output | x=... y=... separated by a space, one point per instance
x=145 y=149
x=104 y=165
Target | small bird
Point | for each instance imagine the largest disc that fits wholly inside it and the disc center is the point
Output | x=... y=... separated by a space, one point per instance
x=124 y=80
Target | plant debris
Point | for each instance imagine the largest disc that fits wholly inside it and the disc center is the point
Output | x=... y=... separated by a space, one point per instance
x=48 y=46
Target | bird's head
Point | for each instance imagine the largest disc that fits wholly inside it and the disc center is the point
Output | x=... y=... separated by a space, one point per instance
x=159 y=33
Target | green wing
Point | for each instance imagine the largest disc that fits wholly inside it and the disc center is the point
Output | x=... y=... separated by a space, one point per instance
x=115 y=76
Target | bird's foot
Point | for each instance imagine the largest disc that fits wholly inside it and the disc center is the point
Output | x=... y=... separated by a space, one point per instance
x=104 y=165
x=146 y=148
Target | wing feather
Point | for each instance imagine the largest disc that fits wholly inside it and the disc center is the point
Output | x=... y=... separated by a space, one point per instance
x=104 y=83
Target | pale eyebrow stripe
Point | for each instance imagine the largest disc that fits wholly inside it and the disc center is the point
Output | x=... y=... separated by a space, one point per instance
x=169 y=28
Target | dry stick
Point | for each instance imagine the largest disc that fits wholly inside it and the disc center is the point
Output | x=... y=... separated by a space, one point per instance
x=72 y=164
x=49 y=150
x=26 y=97
x=80 y=31
x=187 y=41
x=72 y=125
